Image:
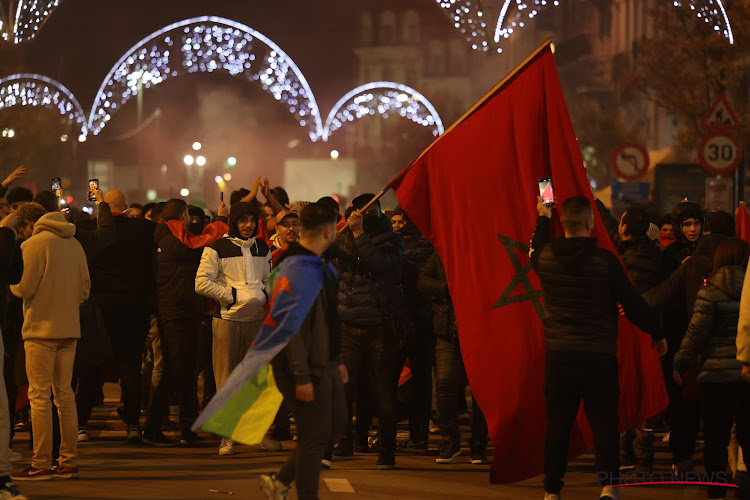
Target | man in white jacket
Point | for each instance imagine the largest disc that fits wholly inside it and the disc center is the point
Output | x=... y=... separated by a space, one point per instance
x=234 y=273
x=55 y=282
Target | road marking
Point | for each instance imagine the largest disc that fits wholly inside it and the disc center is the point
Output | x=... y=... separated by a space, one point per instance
x=338 y=485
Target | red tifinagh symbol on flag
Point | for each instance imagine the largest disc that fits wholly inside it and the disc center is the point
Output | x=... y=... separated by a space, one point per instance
x=281 y=285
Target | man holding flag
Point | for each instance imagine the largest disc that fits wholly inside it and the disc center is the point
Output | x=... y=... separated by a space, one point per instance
x=582 y=285
x=308 y=371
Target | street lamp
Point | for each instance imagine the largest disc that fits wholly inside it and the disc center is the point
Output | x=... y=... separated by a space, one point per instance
x=334 y=155
x=197 y=146
x=189 y=160
x=231 y=161
x=227 y=177
x=218 y=179
x=201 y=161
x=184 y=192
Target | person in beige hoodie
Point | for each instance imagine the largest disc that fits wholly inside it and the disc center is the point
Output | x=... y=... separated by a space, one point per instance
x=55 y=282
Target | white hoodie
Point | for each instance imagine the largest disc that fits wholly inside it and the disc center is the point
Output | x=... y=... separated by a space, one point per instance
x=55 y=280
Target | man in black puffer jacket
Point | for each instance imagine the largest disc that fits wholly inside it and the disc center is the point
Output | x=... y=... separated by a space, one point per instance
x=180 y=312
x=640 y=254
x=582 y=285
x=679 y=292
x=370 y=256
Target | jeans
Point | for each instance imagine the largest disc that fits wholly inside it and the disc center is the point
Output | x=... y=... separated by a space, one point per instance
x=723 y=404
x=451 y=381
x=372 y=352
x=319 y=422
x=421 y=353
x=570 y=378
x=152 y=367
x=5 y=424
x=179 y=344
x=49 y=365
x=683 y=416
x=127 y=328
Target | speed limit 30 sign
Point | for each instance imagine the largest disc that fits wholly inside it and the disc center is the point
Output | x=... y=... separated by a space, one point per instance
x=719 y=152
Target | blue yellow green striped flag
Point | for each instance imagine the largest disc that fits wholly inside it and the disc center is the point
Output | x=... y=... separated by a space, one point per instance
x=244 y=408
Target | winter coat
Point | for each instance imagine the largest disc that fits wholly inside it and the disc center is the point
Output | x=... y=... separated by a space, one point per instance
x=55 y=280
x=417 y=250
x=367 y=264
x=312 y=350
x=712 y=333
x=640 y=255
x=432 y=282
x=178 y=257
x=234 y=273
x=582 y=285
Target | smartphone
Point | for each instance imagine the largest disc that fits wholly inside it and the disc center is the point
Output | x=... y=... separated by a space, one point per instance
x=57 y=187
x=222 y=197
x=545 y=191
x=93 y=188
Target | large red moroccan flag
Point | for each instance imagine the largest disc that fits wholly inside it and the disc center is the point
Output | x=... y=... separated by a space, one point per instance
x=481 y=177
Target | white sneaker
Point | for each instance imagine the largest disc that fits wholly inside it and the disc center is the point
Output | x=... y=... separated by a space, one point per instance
x=270 y=444
x=226 y=447
x=609 y=493
x=14 y=456
x=272 y=487
x=83 y=435
x=551 y=496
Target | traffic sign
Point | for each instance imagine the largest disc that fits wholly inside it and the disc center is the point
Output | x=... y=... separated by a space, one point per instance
x=630 y=161
x=720 y=114
x=720 y=152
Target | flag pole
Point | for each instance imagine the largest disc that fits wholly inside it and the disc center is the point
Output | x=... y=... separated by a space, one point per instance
x=466 y=115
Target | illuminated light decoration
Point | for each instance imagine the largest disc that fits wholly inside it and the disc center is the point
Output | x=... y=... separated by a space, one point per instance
x=514 y=12
x=207 y=44
x=385 y=99
x=28 y=19
x=468 y=17
x=26 y=89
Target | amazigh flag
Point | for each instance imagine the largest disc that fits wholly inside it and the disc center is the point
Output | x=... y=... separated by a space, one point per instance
x=244 y=408
x=489 y=162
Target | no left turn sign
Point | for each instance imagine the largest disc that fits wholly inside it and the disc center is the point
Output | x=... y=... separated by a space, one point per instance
x=630 y=161
x=720 y=152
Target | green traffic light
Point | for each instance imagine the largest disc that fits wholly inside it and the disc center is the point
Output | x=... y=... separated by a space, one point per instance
x=231 y=161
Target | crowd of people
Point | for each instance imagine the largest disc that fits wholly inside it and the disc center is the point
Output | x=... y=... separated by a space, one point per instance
x=166 y=293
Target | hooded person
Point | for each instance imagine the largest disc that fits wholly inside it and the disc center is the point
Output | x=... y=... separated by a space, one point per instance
x=234 y=272
x=370 y=256
x=666 y=232
x=687 y=220
x=676 y=296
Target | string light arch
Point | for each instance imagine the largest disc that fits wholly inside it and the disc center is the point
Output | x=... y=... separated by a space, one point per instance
x=207 y=44
x=385 y=99
x=27 y=89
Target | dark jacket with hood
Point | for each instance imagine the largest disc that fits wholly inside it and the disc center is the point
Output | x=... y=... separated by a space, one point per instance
x=369 y=264
x=177 y=259
x=433 y=283
x=582 y=285
x=640 y=255
x=712 y=333
x=417 y=250
x=682 y=248
x=234 y=271
x=317 y=344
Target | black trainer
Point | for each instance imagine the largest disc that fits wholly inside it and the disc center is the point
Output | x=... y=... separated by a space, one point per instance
x=386 y=461
x=413 y=447
x=479 y=457
x=157 y=439
x=344 y=449
x=191 y=438
x=449 y=450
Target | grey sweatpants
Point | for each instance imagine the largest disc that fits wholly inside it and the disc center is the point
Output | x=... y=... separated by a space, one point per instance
x=232 y=340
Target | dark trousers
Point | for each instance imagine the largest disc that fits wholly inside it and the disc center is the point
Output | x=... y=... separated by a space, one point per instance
x=319 y=423
x=723 y=406
x=127 y=327
x=179 y=344
x=683 y=417
x=449 y=386
x=205 y=360
x=570 y=378
x=372 y=352
x=420 y=350
x=88 y=385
